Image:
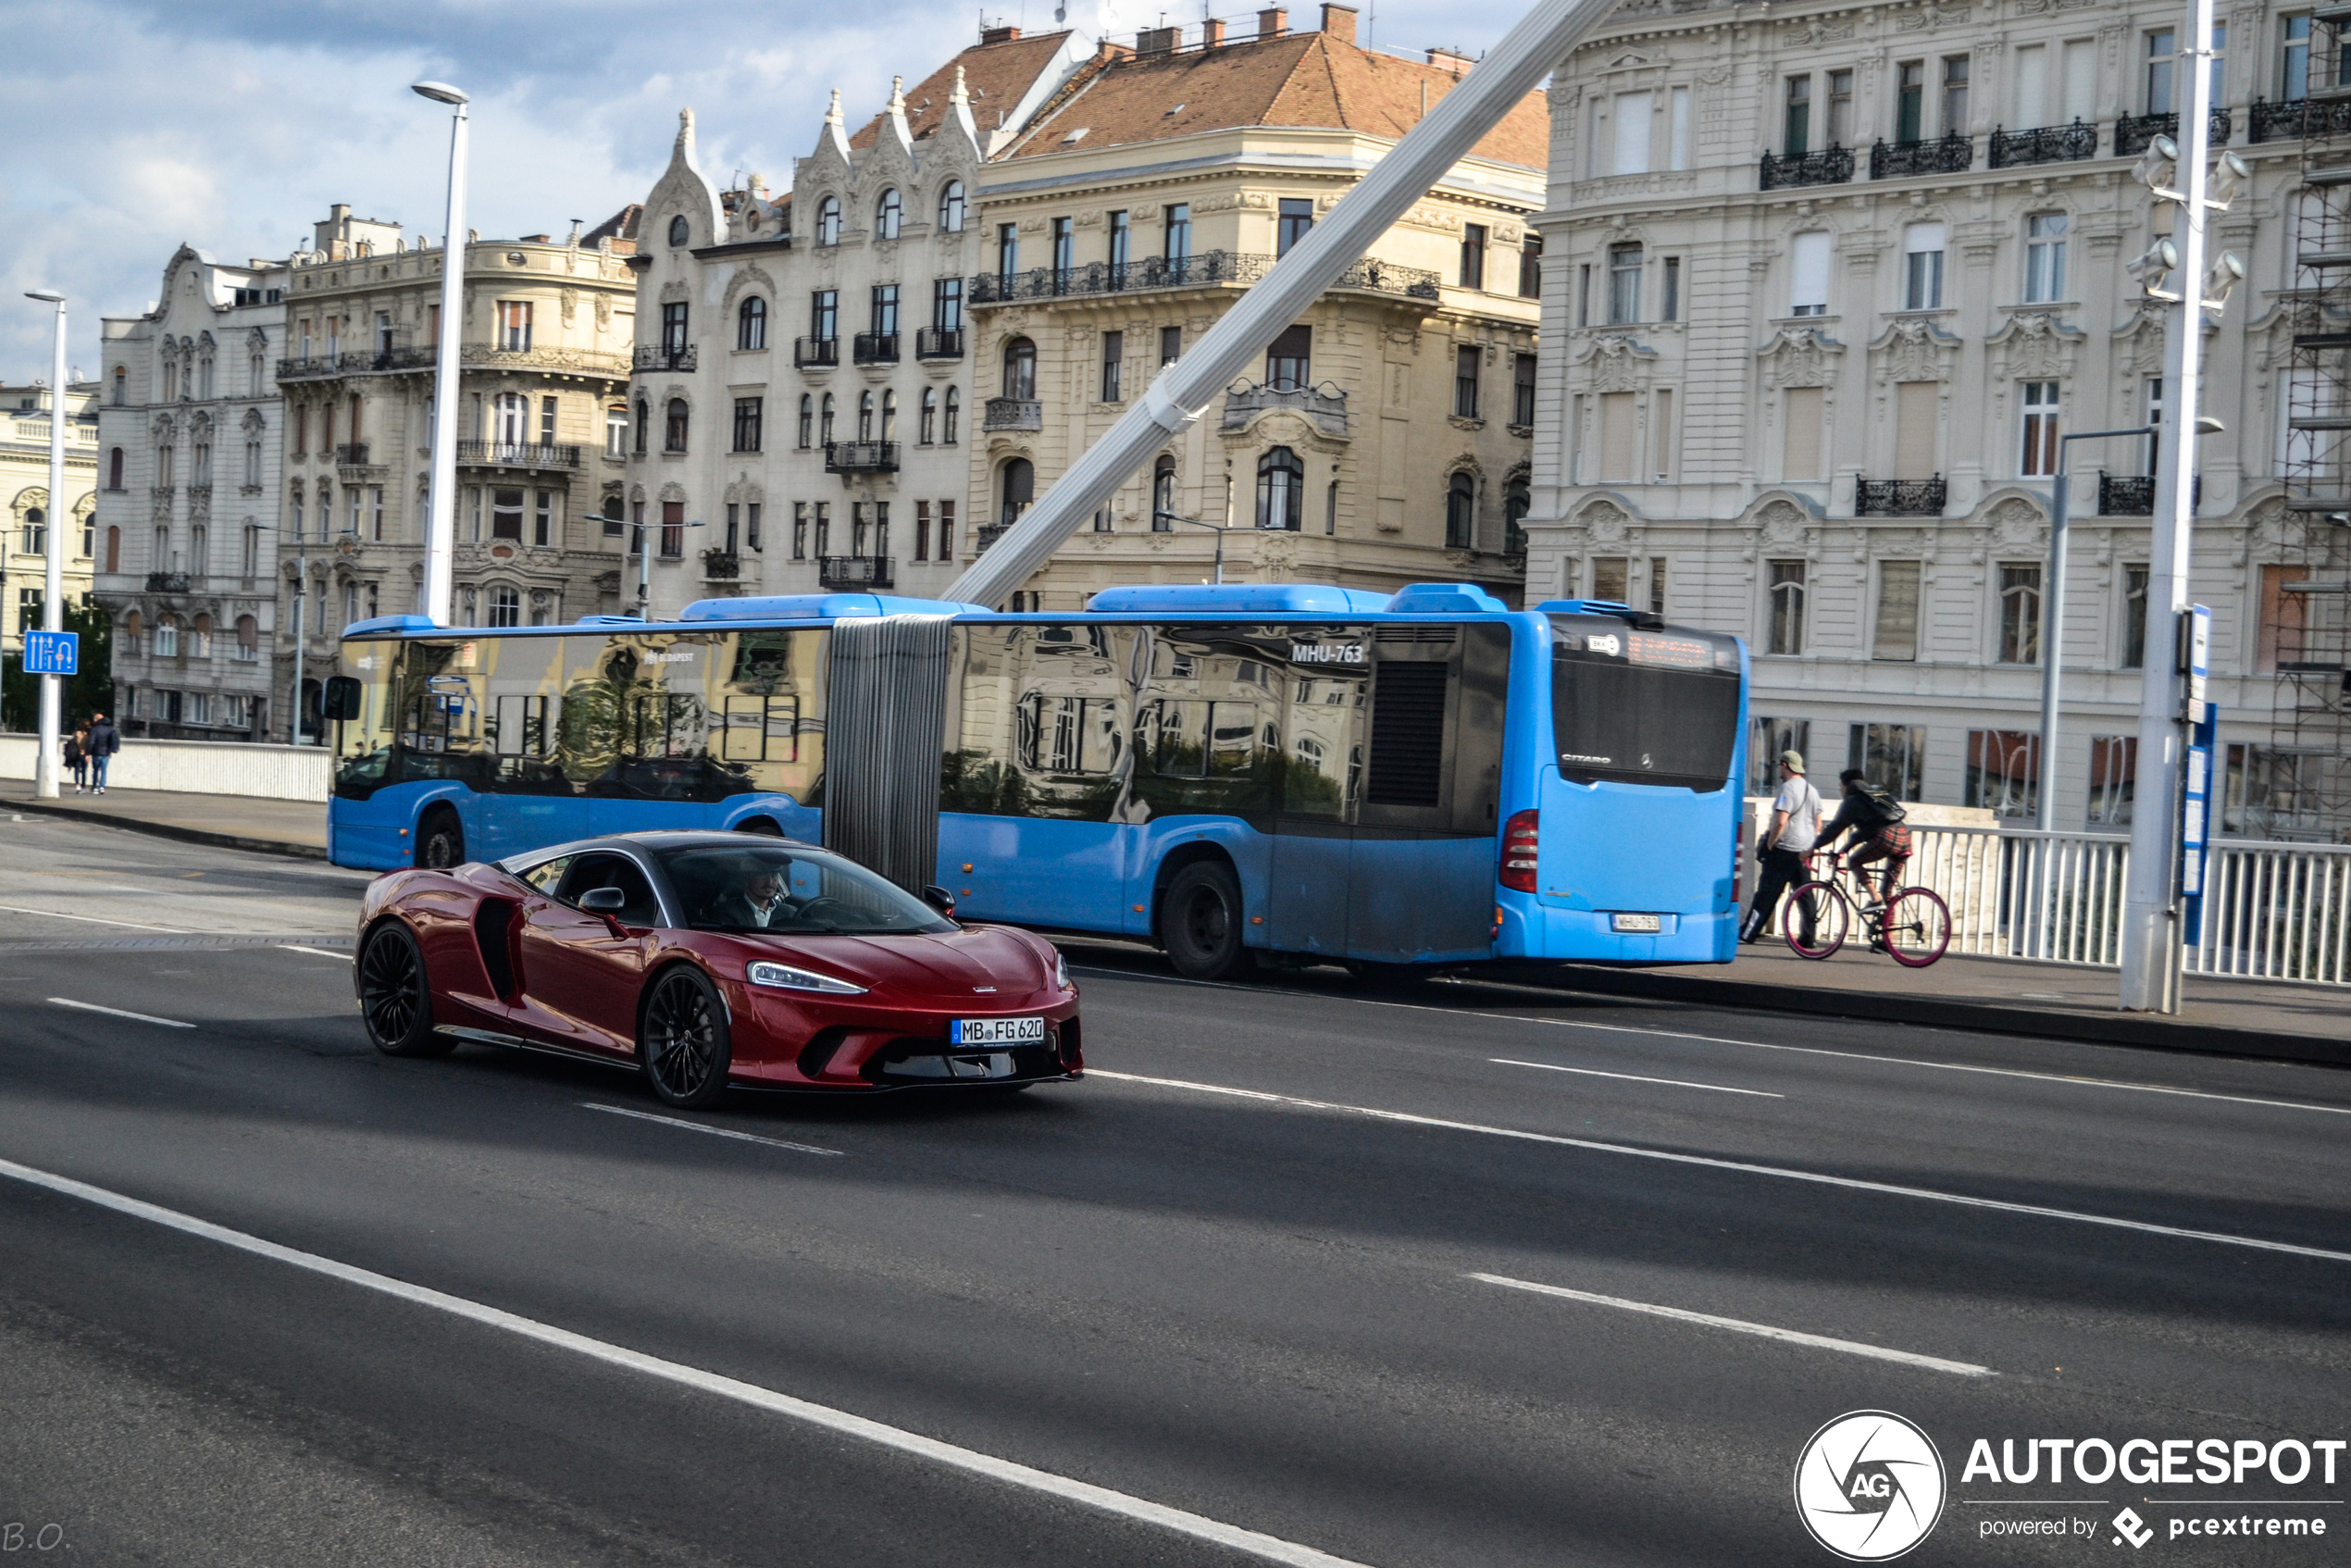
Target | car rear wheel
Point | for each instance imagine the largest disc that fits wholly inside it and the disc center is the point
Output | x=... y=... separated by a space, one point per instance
x=440 y=840
x=396 y=995
x=1201 y=923
x=683 y=1043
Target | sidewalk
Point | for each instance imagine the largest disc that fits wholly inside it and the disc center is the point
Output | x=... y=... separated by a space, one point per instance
x=2267 y=1018
x=236 y=822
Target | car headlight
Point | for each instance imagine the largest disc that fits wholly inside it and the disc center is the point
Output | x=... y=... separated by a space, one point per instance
x=785 y=978
x=1061 y=970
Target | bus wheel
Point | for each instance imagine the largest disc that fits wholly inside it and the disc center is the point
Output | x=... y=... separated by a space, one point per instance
x=1201 y=923
x=763 y=825
x=440 y=840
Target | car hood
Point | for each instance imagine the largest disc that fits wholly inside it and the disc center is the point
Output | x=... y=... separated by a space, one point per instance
x=951 y=964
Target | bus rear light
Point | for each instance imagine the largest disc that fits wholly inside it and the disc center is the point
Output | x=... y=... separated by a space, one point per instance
x=1519 y=843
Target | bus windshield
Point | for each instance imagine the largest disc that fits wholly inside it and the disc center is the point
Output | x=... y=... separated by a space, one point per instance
x=1642 y=707
x=793 y=890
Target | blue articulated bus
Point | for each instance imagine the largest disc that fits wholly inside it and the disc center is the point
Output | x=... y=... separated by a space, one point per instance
x=1237 y=773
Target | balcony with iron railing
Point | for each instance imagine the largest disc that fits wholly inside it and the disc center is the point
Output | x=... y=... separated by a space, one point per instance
x=938 y=343
x=2049 y=143
x=2133 y=132
x=2133 y=496
x=352 y=455
x=808 y=353
x=2300 y=117
x=1899 y=498
x=665 y=357
x=875 y=348
x=1830 y=165
x=1204 y=269
x=721 y=565
x=988 y=534
x=855 y=571
x=1954 y=154
x=860 y=456
x=1325 y=405
x=170 y=582
x=313 y=367
x=517 y=454
x=1013 y=414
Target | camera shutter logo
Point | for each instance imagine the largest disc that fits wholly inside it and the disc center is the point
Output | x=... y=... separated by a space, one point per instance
x=1870 y=1486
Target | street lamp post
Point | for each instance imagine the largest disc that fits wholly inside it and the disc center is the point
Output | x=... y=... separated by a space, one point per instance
x=440 y=529
x=645 y=564
x=1221 y=529
x=53 y=595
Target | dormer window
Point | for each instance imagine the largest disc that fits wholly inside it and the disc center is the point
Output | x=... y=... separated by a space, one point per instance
x=679 y=231
x=828 y=221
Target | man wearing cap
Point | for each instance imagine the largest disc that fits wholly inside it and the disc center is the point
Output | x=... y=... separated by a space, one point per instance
x=1796 y=827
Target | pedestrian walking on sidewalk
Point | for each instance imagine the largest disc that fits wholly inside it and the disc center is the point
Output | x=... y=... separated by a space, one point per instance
x=105 y=741
x=77 y=750
x=1796 y=827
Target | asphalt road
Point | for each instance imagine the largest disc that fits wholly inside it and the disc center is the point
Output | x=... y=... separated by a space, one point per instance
x=1287 y=1310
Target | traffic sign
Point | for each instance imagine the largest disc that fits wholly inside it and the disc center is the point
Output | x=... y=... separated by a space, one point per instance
x=52 y=653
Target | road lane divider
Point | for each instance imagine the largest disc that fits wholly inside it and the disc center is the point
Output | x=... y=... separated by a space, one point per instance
x=1743 y=1167
x=314 y=951
x=699 y=1127
x=1634 y=1078
x=118 y=1012
x=92 y=919
x=1270 y=1548
x=1740 y=1326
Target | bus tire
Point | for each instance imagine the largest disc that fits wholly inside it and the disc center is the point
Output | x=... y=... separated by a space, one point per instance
x=440 y=840
x=1201 y=922
x=764 y=826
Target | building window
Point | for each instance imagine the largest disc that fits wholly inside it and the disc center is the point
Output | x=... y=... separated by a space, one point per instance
x=1840 y=106
x=946 y=531
x=824 y=421
x=1922 y=266
x=1473 y=256
x=750 y=323
x=505 y=515
x=547 y=410
x=1020 y=371
x=1795 y=133
x=1785 y=607
x=1460 y=512
x=1289 y=362
x=865 y=415
x=747 y=423
x=2294 y=65
x=673 y=327
x=1291 y=223
x=1624 y=284
x=2134 y=616
x=947 y=305
x=1895 y=636
x=882 y=310
x=922 y=531
x=1007 y=255
x=1955 y=84
x=1808 y=274
x=1065 y=233
x=1673 y=311
x=800 y=530
x=926 y=422
x=2020 y=613
x=951 y=415
x=1466 y=361
x=2044 y=257
x=644 y=424
x=828 y=221
x=1523 y=368
x=2003 y=771
x=1171 y=345
x=1176 y=232
x=2114 y=770
x=617 y=430
x=114 y=468
x=888 y=214
x=951 y=207
x=1016 y=490
x=1163 y=495
x=1892 y=757
x=1121 y=245
x=1612 y=579
x=673 y=529
x=890 y=413
x=1657 y=585
x=1766 y=739
x=513 y=325
x=674 y=430
x=506 y=603
x=1530 y=267
x=2040 y=404
x=678 y=233
x=807 y=420
x=1281 y=491
x=824 y=315
x=1910 y=101
x=1113 y=353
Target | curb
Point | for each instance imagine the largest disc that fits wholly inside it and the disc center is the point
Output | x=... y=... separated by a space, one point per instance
x=2142 y=1031
x=173 y=830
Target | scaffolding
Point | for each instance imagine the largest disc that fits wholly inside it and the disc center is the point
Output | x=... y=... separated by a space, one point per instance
x=2298 y=786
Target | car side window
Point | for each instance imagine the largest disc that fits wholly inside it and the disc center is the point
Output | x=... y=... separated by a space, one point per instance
x=547 y=874
x=588 y=871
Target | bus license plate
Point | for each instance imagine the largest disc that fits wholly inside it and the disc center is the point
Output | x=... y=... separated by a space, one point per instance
x=997 y=1031
x=1632 y=922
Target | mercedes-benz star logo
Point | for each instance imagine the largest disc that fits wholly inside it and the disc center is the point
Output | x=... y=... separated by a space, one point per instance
x=1869 y=1486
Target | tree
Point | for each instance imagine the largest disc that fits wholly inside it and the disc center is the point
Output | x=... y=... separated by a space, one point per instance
x=89 y=691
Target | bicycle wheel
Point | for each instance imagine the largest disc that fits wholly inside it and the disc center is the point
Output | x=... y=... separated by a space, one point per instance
x=1918 y=928
x=1820 y=909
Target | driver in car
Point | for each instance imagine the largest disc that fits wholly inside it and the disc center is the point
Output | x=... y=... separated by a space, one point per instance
x=758 y=901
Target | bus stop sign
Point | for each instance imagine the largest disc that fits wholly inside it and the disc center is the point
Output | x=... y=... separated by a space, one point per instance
x=52 y=653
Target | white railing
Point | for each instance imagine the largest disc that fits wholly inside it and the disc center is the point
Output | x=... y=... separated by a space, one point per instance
x=2272 y=911
x=200 y=767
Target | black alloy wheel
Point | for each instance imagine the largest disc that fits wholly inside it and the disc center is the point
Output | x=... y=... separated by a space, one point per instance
x=1201 y=923
x=683 y=1043
x=396 y=995
x=440 y=840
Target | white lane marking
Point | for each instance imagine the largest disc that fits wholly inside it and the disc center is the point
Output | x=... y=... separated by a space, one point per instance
x=1272 y=1549
x=117 y=1012
x=1743 y=1167
x=2074 y=1078
x=1635 y=1078
x=315 y=952
x=698 y=1127
x=1740 y=1326
x=91 y=919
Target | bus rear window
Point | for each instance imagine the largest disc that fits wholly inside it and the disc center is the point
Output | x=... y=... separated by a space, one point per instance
x=1642 y=707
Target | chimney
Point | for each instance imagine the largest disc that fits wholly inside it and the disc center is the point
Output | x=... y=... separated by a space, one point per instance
x=1339 y=21
x=1212 y=33
x=1272 y=23
x=998 y=35
x=1450 y=60
x=1155 y=41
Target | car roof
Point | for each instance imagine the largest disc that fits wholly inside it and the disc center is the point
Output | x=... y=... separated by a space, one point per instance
x=664 y=839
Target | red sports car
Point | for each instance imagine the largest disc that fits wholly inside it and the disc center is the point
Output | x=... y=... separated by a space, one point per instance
x=710 y=960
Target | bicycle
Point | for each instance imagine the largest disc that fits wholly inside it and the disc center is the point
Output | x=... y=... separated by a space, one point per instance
x=1913 y=927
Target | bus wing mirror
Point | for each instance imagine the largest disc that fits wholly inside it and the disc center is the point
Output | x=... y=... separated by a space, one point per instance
x=342 y=700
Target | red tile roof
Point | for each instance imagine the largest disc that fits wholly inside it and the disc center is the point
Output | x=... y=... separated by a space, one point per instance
x=998 y=76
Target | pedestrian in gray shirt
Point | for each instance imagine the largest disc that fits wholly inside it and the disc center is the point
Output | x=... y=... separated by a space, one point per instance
x=1784 y=846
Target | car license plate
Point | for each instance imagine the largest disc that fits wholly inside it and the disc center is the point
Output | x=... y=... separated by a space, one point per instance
x=1634 y=923
x=997 y=1031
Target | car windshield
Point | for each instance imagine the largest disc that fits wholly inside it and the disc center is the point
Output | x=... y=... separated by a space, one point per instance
x=790 y=889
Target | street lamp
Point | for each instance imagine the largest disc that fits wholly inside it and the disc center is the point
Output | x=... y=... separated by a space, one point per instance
x=1221 y=530
x=53 y=598
x=441 y=527
x=645 y=562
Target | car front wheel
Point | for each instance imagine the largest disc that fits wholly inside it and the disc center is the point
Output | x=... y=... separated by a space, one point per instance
x=683 y=1043
x=396 y=995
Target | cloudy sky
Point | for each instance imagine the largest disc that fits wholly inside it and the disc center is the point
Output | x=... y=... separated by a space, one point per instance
x=232 y=124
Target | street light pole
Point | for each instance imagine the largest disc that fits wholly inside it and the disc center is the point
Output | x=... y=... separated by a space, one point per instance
x=645 y=565
x=1221 y=530
x=440 y=529
x=53 y=595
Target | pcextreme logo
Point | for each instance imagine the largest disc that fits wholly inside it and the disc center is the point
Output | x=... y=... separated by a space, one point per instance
x=1870 y=1486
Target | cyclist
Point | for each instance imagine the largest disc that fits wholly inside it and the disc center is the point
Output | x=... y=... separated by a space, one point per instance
x=1875 y=820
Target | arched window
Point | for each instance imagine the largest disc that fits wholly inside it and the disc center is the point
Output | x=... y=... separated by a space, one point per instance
x=952 y=417
x=828 y=221
x=1461 y=512
x=162 y=561
x=679 y=232
x=807 y=420
x=644 y=423
x=750 y=323
x=1020 y=370
x=36 y=532
x=927 y=431
x=1517 y=500
x=674 y=433
x=1163 y=495
x=1019 y=488
x=1281 y=490
x=889 y=415
x=506 y=603
x=114 y=469
x=825 y=423
x=248 y=649
x=888 y=214
x=200 y=632
x=950 y=208
x=865 y=416
x=114 y=549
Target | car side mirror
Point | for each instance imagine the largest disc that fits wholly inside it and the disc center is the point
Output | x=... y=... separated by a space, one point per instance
x=604 y=901
x=939 y=899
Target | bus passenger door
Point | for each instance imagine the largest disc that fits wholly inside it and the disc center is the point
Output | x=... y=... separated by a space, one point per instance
x=1322 y=753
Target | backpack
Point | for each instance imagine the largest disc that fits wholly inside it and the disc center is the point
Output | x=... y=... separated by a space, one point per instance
x=1888 y=809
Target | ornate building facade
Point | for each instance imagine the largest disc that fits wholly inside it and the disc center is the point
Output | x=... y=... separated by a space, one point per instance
x=25 y=510
x=1826 y=287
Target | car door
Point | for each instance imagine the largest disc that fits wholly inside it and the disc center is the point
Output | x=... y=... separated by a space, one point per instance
x=581 y=972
